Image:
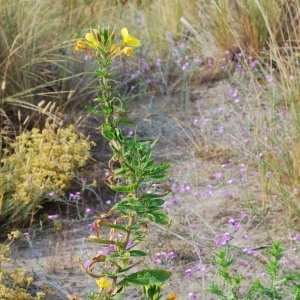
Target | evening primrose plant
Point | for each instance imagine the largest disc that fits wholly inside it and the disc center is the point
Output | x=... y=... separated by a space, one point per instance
x=132 y=172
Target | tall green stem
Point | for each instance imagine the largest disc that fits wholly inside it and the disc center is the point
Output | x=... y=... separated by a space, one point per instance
x=132 y=170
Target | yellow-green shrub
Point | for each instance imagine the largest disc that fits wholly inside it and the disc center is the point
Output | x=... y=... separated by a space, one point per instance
x=41 y=162
x=14 y=285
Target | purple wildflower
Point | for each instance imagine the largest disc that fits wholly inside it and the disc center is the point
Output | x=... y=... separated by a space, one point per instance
x=53 y=217
x=91 y=227
x=89 y=211
x=192 y=296
x=223 y=239
x=218 y=175
x=75 y=196
x=87 y=264
x=296 y=237
x=190 y=272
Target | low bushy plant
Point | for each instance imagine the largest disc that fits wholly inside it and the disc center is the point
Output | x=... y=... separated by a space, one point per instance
x=38 y=163
x=14 y=284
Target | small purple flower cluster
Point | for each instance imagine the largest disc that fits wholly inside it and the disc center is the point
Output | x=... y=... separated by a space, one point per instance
x=53 y=217
x=75 y=196
x=89 y=211
x=164 y=258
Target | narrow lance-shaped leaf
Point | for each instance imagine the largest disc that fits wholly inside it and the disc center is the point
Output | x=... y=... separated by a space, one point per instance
x=125 y=188
x=129 y=204
x=95 y=239
x=127 y=122
x=154 y=203
x=145 y=277
x=112 y=225
x=157 y=217
x=93 y=110
x=137 y=253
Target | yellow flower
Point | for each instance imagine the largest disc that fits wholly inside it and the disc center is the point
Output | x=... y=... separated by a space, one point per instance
x=172 y=296
x=30 y=280
x=40 y=295
x=81 y=46
x=103 y=283
x=128 y=39
x=91 y=38
x=127 y=51
x=114 y=49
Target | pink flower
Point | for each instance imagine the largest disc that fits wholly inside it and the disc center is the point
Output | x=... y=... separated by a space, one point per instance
x=190 y=272
x=87 y=264
x=53 y=217
x=89 y=211
x=223 y=239
x=218 y=175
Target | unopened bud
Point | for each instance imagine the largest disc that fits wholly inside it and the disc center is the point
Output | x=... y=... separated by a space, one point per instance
x=52 y=107
x=3 y=85
x=70 y=94
x=41 y=103
x=46 y=107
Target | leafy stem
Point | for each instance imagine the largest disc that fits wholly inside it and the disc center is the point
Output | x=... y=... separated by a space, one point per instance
x=132 y=172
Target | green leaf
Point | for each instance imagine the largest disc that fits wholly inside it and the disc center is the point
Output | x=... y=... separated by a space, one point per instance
x=145 y=277
x=147 y=178
x=137 y=253
x=215 y=290
x=107 y=132
x=95 y=239
x=154 y=143
x=118 y=108
x=93 y=110
x=157 y=169
x=156 y=217
x=120 y=259
x=119 y=134
x=97 y=87
x=149 y=196
x=119 y=171
x=122 y=270
x=111 y=225
x=128 y=205
x=124 y=188
x=106 y=108
x=101 y=73
x=118 y=296
x=128 y=122
x=154 y=203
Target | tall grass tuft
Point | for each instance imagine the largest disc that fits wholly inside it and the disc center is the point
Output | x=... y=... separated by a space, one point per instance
x=244 y=26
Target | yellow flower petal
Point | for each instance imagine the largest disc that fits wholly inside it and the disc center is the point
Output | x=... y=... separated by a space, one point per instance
x=103 y=283
x=81 y=46
x=92 y=40
x=114 y=48
x=172 y=296
x=128 y=39
x=127 y=51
